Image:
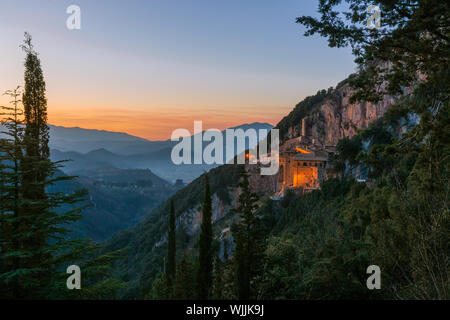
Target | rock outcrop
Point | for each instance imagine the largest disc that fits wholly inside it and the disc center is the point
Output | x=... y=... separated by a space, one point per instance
x=334 y=117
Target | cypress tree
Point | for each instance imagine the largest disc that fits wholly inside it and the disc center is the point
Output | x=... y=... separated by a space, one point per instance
x=225 y=250
x=249 y=248
x=36 y=168
x=204 y=277
x=35 y=251
x=218 y=281
x=171 y=248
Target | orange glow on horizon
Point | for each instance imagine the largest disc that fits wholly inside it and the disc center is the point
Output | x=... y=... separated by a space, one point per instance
x=153 y=125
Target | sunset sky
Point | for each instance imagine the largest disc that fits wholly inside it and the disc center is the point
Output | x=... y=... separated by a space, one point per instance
x=149 y=67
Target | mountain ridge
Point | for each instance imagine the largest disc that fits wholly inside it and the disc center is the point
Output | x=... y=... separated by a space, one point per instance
x=145 y=156
x=84 y=140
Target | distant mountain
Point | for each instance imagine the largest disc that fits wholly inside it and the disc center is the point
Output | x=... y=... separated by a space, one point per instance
x=124 y=186
x=159 y=162
x=76 y=162
x=154 y=155
x=86 y=140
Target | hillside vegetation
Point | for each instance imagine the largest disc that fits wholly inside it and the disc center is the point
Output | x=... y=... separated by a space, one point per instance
x=144 y=260
x=118 y=199
x=396 y=127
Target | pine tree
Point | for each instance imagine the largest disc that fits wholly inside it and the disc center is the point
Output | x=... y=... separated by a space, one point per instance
x=171 y=247
x=248 y=254
x=10 y=173
x=204 y=276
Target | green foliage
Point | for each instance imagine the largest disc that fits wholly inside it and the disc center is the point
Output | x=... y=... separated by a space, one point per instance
x=348 y=150
x=160 y=288
x=171 y=248
x=281 y=269
x=311 y=254
x=324 y=240
x=186 y=271
x=413 y=39
x=217 y=285
x=143 y=261
x=205 y=253
x=10 y=177
x=400 y=222
x=116 y=205
x=250 y=242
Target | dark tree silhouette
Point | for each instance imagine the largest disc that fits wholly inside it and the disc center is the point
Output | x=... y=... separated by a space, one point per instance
x=204 y=276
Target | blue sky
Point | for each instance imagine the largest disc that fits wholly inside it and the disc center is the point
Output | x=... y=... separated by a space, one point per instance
x=148 y=67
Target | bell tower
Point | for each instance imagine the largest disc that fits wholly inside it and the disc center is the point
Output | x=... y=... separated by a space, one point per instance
x=304 y=127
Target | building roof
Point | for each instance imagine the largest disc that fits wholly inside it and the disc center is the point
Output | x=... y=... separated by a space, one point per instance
x=310 y=157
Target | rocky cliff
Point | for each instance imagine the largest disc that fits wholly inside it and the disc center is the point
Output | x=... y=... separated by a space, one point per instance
x=330 y=116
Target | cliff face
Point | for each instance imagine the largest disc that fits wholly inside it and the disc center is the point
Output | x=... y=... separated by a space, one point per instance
x=332 y=117
x=192 y=218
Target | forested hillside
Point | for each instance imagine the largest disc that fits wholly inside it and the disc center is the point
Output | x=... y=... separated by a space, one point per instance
x=118 y=199
x=391 y=119
x=318 y=246
x=145 y=254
